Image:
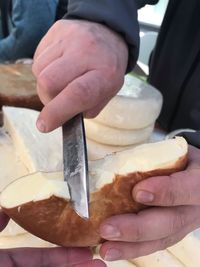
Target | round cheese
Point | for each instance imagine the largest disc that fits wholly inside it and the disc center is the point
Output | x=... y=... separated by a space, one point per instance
x=114 y=136
x=136 y=106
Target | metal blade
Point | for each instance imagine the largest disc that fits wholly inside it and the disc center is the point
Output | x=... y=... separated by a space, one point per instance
x=76 y=164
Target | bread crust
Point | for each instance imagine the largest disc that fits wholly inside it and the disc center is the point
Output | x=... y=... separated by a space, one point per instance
x=18 y=87
x=54 y=219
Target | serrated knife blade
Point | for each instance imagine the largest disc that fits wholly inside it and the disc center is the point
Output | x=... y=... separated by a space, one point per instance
x=76 y=164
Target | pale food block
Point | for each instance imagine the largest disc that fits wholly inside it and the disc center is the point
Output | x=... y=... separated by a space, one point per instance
x=38 y=151
x=136 y=106
x=116 y=137
x=10 y=164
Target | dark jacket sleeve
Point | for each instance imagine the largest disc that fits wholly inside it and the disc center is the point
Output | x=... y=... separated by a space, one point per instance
x=193 y=138
x=119 y=15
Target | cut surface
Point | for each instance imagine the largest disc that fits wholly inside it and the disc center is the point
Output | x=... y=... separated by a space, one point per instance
x=114 y=136
x=40 y=202
x=38 y=151
x=147 y=157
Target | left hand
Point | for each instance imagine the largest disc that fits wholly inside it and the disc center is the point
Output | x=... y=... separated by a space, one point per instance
x=39 y=257
x=177 y=212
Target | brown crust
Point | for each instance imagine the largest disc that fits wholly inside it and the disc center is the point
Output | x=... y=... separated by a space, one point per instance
x=55 y=221
x=18 y=87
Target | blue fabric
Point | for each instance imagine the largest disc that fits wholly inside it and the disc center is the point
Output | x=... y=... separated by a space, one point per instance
x=31 y=19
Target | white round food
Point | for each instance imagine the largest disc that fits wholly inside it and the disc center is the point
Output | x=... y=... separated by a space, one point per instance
x=116 y=137
x=97 y=151
x=136 y=106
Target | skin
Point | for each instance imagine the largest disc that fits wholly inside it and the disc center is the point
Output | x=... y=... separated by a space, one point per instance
x=50 y=257
x=177 y=213
x=79 y=67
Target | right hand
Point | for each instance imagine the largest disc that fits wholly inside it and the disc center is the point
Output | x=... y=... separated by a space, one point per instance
x=48 y=257
x=79 y=67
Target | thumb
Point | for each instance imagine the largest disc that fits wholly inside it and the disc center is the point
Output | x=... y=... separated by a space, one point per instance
x=181 y=188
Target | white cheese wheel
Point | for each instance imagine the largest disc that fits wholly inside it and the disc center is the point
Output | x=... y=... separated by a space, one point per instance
x=97 y=151
x=136 y=106
x=114 y=136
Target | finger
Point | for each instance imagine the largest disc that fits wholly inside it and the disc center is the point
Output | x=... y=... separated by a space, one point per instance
x=4 y=219
x=193 y=158
x=181 y=188
x=111 y=251
x=81 y=95
x=44 y=257
x=58 y=74
x=47 y=56
x=93 y=263
x=150 y=224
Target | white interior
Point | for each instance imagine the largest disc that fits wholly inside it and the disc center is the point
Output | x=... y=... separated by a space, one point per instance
x=38 y=151
x=141 y=158
x=114 y=136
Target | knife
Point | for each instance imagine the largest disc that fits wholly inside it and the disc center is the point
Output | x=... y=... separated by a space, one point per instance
x=76 y=164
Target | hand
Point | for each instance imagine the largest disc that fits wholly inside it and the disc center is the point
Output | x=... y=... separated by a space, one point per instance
x=177 y=213
x=38 y=257
x=79 y=67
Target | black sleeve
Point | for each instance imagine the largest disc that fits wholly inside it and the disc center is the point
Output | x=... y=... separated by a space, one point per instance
x=193 y=138
x=119 y=15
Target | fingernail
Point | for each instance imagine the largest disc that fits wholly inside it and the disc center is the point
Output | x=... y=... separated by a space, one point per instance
x=144 y=197
x=112 y=255
x=109 y=231
x=41 y=125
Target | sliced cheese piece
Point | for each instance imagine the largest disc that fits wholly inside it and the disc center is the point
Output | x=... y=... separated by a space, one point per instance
x=23 y=240
x=158 y=259
x=187 y=251
x=136 y=106
x=116 y=137
x=38 y=151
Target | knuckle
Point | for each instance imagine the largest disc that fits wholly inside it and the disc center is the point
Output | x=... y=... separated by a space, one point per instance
x=178 y=222
x=84 y=94
x=45 y=84
x=138 y=233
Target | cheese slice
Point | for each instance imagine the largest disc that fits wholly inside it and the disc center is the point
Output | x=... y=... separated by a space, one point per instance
x=38 y=151
x=187 y=250
x=159 y=259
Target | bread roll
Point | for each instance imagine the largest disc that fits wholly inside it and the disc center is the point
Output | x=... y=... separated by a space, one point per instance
x=114 y=136
x=18 y=86
x=43 y=207
x=136 y=106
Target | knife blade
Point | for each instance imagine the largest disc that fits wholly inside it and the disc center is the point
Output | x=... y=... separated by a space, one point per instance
x=76 y=164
